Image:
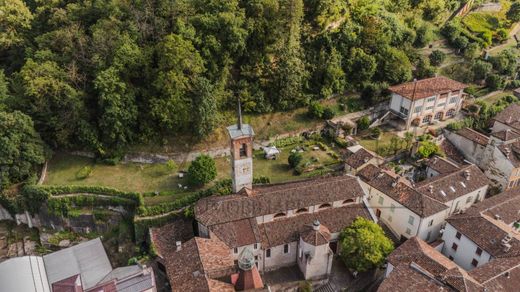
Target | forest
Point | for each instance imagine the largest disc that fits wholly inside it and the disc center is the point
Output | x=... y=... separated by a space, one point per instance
x=101 y=75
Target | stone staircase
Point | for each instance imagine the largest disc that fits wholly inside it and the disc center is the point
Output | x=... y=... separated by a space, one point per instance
x=326 y=288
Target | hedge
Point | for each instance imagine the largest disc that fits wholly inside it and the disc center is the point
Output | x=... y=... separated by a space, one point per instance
x=62 y=206
x=222 y=187
x=34 y=196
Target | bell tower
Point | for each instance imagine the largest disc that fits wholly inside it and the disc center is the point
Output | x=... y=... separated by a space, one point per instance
x=241 y=136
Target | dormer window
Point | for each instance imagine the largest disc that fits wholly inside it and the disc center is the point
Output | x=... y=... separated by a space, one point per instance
x=323 y=206
x=348 y=201
x=302 y=210
x=279 y=215
x=243 y=150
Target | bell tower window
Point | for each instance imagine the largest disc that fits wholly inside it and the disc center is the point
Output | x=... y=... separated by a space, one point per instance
x=243 y=150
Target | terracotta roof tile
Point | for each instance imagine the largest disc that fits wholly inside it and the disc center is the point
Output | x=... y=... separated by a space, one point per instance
x=442 y=165
x=358 y=158
x=276 y=198
x=506 y=135
x=449 y=186
x=452 y=152
x=427 y=87
x=512 y=152
x=238 y=233
x=403 y=193
x=282 y=231
x=474 y=136
x=510 y=116
x=407 y=278
x=316 y=237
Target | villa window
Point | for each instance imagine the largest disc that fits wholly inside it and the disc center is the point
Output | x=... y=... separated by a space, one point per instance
x=454 y=246
x=430 y=223
x=450 y=113
x=323 y=206
x=441 y=104
x=268 y=253
x=451 y=258
x=478 y=251
x=255 y=246
x=474 y=263
x=418 y=109
x=404 y=110
x=427 y=119
x=430 y=99
x=279 y=215
x=408 y=231
x=429 y=107
x=381 y=200
x=458 y=235
x=411 y=220
x=392 y=208
x=285 y=248
x=235 y=250
x=454 y=99
x=438 y=116
x=469 y=199
x=429 y=235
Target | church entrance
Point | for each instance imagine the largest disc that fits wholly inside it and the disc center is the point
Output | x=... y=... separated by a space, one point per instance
x=334 y=247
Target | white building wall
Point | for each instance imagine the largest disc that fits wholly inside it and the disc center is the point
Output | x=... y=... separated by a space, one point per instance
x=395 y=103
x=279 y=259
x=473 y=152
x=318 y=265
x=466 y=249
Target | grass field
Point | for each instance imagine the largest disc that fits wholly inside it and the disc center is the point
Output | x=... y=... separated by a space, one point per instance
x=384 y=141
x=491 y=99
x=137 y=177
x=488 y=22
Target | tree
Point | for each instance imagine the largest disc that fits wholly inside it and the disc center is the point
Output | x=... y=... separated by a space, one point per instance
x=334 y=77
x=294 y=159
x=363 y=123
x=495 y=82
x=15 y=19
x=202 y=170
x=472 y=51
x=179 y=66
x=328 y=113
x=437 y=58
x=394 y=66
x=360 y=66
x=424 y=35
x=423 y=69
x=505 y=62
x=45 y=94
x=364 y=245
x=204 y=107
x=428 y=149
x=4 y=91
x=315 y=110
x=21 y=148
x=117 y=109
x=513 y=13
x=408 y=138
x=481 y=69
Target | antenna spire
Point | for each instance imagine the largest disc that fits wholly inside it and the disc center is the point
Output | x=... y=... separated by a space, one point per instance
x=239 y=113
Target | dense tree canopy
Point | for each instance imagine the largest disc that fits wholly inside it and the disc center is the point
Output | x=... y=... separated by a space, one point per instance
x=102 y=75
x=21 y=148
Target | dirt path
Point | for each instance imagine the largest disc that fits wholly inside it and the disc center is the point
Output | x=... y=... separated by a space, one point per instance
x=510 y=40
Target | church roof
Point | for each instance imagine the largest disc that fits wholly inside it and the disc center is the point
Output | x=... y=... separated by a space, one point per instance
x=245 y=130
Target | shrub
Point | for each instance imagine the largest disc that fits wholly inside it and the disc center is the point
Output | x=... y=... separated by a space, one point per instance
x=171 y=166
x=84 y=172
x=328 y=113
x=363 y=123
x=495 y=82
x=315 y=110
x=437 y=58
x=375 y=132
x=261 y=180
x=294 y=159
x=202 y=170
x=428 y=149
x=280 y=143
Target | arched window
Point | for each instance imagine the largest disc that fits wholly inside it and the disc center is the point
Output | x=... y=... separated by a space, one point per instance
x=302 y=210
x=438 y=116
x=279 y=215
x=427 y=119
x=323 y=206
x=450 y=113
x=243 y=150
x=348 y=201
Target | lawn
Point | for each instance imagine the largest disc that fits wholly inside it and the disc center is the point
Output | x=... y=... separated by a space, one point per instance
x=491 y=99
x=62 y=170
x=138 y=177
x=488 y=22
x=383 y=141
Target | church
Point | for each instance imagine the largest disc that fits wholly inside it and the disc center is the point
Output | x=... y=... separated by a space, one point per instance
x=258 y=229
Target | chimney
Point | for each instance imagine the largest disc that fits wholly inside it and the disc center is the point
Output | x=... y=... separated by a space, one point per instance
x=316 y=225
x=467 y=174
x=507 y=151
x=430 y=187
x=509 y=120
x=497 y=217
x=179 y=245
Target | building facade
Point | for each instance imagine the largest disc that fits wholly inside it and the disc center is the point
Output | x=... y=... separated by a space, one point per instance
x=425 y=101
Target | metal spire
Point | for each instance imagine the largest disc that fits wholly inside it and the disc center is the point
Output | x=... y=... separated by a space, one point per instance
x=239 y=122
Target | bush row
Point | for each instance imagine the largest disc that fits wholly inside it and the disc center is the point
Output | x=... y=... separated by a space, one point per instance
x=222 y=187
x=62 y=206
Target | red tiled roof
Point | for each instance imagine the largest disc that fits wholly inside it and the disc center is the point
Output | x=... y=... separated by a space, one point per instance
x=510 y=116
x=249 y=280
x=238 y=233
x=282 y=231
x=427 y=87
x=272 y=199
x=316 y=237
x=474 y=136
x=358 y=158
x=442 y=165
x=506 y=135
